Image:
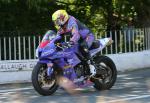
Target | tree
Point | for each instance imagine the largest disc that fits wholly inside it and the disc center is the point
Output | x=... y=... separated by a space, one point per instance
x=35 y=15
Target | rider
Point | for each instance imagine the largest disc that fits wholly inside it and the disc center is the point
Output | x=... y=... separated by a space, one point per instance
x=78 y=32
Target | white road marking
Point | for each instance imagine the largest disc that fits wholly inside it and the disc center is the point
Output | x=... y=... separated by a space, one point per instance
x=13 y=90
x=130 y=98
x=110 y=101
x=122 y=75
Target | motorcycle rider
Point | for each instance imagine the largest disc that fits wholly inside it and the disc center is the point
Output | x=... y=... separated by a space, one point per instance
x=77 y=31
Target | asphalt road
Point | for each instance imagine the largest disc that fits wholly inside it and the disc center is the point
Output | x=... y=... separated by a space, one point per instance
x=130 y=87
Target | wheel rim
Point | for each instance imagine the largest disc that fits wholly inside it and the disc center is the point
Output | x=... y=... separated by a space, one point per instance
x=105 y=78
x=44 y=82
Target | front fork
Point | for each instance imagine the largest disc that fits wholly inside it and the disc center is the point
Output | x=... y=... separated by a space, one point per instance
x=50 y=69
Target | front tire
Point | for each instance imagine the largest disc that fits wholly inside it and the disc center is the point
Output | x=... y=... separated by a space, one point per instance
x=39 y=80
x=100 y=83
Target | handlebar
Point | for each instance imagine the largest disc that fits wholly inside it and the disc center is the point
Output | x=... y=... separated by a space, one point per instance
x=64 y=45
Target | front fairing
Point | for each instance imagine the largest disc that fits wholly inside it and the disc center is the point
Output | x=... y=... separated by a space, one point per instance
x=47 y=51
x=50 y=55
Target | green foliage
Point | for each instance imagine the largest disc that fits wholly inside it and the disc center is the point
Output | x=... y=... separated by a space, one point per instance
x=35 y=15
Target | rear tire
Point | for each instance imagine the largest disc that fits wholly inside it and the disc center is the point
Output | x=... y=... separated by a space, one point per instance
x=110 y=64
x=37 y=85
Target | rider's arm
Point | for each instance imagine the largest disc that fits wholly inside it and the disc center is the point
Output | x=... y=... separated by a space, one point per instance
x=57 y=37
x=75 y=33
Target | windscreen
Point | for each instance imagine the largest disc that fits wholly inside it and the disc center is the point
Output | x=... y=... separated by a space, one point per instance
x=49 y=35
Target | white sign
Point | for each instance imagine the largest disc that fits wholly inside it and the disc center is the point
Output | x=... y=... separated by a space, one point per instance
x=22 y=65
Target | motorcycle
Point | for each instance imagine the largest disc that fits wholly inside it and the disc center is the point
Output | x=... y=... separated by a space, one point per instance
x=58 y=59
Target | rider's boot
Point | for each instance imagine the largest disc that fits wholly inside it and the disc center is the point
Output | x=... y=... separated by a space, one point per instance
x=92 y=68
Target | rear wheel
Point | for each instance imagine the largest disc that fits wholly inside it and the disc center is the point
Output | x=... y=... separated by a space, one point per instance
x=107 y=75
x=43 y=84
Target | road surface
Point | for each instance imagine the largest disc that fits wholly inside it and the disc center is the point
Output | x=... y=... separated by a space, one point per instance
x=130 y=87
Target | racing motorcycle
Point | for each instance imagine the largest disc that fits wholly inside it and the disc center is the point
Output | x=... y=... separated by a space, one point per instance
x=100 y=71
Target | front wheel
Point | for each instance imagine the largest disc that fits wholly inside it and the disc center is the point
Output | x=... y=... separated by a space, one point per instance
x=107 y=75
x=43 y=84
